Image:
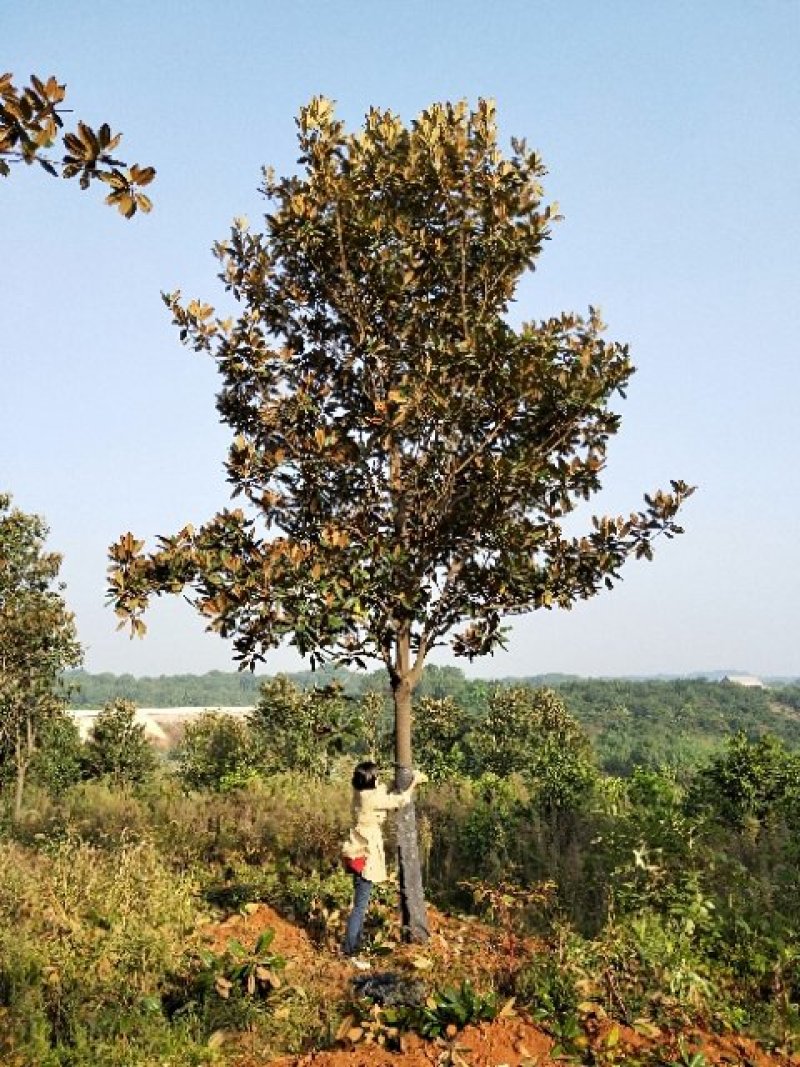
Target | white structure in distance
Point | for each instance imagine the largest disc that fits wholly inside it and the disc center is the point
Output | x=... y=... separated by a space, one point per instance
x=156 y=721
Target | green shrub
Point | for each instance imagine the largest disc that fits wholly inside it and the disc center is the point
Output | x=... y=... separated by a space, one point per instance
x=216 y=752
x=548 y=986
x=230 y=989
x=88 y=938
x=750 y=782
x=118 y=747
x=529 y=732
x=494 y=826
x=304 y=731
x=58 y=761
x=440 y=727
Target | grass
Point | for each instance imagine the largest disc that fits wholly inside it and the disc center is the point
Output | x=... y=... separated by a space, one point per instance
x=103 y=896
x=88 y=940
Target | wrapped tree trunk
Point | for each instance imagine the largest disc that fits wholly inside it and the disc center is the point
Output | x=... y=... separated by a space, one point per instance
x=412 y=896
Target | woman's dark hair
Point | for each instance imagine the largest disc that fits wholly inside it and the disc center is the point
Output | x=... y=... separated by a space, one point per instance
x=365 y=775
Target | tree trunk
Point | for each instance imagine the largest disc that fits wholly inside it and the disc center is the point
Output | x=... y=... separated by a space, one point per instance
x=19 y=790
x=412 y=897
x=21 y=759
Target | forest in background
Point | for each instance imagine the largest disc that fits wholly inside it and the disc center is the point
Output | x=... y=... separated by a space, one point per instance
x=673 y=723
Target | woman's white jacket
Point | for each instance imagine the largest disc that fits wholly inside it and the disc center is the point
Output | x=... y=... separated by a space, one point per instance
x=366 y=838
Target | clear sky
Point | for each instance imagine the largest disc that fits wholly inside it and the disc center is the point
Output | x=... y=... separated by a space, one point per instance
x=672 y=136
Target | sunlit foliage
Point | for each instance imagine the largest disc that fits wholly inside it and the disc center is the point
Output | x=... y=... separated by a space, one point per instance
x=31 y=124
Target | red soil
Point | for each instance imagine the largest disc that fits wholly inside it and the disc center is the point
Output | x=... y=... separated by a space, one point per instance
x=457 y=948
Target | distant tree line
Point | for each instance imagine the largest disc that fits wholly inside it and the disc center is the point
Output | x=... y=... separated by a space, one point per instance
x=630 y=724
x=214 y=689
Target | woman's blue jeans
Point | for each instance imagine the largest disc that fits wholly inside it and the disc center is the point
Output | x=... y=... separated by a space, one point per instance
x=355 y=923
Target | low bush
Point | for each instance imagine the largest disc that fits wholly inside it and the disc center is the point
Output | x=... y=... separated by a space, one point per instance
x=215 y=752
x=229 y=989
x=88 y=939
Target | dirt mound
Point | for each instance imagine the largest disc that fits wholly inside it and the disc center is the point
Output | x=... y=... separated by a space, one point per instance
x=306 y=963
x=505 y=1041
x=246 y=926
x=459 y=948
x=516 y=1042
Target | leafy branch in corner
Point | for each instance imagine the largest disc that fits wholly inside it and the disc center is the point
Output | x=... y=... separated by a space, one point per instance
x=31 y=125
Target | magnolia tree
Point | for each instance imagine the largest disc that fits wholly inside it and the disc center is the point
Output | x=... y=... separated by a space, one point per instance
x=406 y=456
x=31 y=124
x=37 y=640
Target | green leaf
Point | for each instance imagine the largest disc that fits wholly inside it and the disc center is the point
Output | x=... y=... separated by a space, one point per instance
x=264 y=941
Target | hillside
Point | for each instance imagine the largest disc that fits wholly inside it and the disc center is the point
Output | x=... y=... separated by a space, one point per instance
x=202 y=929
x=461 y=948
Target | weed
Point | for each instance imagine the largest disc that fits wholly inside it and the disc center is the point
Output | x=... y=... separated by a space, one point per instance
x=440 y=1015
x=568 y=1035
x=687 y=1058
x=512 y=907
x=228 y=990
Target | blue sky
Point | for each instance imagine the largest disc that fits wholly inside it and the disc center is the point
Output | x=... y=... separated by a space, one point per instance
x=672 y=136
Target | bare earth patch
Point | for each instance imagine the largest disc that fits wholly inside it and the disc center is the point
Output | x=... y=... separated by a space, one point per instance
x=459 y=948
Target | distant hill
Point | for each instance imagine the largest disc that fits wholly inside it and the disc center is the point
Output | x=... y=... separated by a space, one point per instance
x=240 y=689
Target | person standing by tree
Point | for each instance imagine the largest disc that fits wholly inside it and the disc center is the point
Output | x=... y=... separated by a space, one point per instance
x=363 y=851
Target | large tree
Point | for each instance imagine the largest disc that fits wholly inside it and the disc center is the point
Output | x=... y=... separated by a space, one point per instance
x=406 y=454
x=37 y=640
x=30 y=125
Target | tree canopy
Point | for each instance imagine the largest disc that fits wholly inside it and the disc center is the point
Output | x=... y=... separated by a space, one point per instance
x=30 y=125
x=407 y=454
